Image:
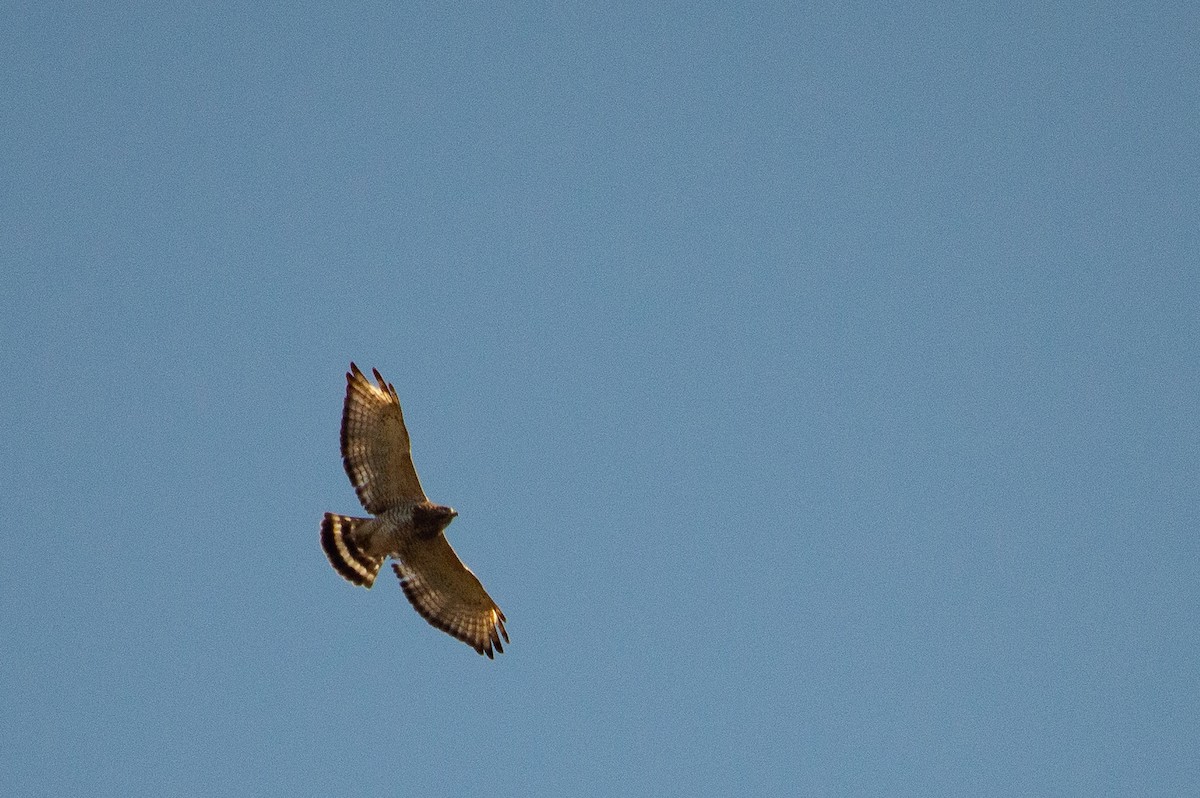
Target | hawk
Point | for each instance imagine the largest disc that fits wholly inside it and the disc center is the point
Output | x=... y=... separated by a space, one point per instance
x=406 y=526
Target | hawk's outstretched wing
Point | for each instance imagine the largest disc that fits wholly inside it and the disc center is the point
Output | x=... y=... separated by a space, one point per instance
x=407 y=526
x=448 y=595
x=375 y=448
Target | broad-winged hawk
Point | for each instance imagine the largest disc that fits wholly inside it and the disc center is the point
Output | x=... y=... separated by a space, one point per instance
x=406 y=526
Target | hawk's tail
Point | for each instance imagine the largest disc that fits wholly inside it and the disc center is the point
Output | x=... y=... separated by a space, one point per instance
x=340 y=536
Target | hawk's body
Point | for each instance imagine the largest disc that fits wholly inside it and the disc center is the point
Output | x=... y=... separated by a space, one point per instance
x=406 y=525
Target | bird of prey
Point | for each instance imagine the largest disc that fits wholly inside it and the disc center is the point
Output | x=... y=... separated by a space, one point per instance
x=406 y=526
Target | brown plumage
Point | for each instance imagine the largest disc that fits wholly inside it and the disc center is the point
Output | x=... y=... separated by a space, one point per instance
x=406 y=526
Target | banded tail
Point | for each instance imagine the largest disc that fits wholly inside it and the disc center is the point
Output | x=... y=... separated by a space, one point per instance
x=339 y=538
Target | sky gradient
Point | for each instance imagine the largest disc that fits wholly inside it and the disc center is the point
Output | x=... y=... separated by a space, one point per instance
x=817 y=384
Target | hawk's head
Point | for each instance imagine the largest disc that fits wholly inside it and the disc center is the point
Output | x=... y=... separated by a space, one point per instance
x=429 y=519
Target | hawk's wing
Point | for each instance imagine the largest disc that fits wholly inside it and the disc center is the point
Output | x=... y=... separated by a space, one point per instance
x=375 y=448
x=448 y=595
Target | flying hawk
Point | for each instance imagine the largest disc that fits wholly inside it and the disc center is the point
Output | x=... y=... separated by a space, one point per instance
x=406 y=526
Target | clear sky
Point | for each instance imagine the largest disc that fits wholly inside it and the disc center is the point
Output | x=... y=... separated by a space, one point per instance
x=817 y=384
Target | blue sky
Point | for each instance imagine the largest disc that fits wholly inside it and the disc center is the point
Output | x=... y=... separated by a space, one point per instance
x=817 y=385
